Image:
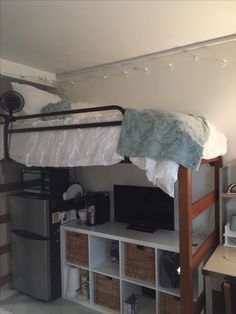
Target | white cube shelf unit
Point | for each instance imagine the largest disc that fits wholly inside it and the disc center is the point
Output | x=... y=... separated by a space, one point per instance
x=100 y=263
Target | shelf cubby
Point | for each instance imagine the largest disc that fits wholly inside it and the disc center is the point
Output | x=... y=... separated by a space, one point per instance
x=77 y=249
x=72 y=284
x=147 y=300
x=106 y=292
x=138 y=264
x=166 y=285
x=101 y=259
x=168 y=303
x=165 y=260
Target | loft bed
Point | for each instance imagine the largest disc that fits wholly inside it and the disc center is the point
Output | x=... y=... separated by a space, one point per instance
x=188 y=210
x=91 y=136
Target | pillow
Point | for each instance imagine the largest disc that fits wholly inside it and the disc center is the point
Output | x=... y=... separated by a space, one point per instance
x=35 y=98
x=59 y=106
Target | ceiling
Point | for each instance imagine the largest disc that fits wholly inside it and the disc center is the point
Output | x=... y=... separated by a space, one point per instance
x=61 y=35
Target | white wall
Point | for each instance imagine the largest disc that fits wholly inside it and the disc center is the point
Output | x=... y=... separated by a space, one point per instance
x=202 y=86
x=102 y=178
x=61 y=36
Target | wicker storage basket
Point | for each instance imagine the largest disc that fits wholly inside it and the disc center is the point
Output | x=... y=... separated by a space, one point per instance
x=168 y=304
x=77 y=248
x=140 y=262
x=107 y=291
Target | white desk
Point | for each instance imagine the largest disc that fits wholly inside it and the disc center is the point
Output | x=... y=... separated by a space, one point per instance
x=222 y=263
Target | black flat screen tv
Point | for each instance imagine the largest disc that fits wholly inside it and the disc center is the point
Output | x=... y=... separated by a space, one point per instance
x=143 y=208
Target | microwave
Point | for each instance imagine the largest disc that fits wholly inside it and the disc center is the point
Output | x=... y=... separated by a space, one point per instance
x=53 y=181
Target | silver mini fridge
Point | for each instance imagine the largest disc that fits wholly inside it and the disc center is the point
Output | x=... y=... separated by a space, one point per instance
x=35 y=247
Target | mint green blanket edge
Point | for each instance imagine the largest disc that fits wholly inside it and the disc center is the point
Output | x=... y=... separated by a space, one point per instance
x=163 y=136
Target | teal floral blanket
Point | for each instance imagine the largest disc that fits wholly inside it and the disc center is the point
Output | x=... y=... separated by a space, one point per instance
x=163 y=136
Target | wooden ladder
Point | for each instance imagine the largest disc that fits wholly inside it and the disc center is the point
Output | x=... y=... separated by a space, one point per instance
x=188 y=210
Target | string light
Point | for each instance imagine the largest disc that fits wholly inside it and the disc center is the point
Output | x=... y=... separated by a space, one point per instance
x=171 y=66
x=43 y=78
x=125 y=73
x=146 y=69
x=223 y=62
x=193 y=56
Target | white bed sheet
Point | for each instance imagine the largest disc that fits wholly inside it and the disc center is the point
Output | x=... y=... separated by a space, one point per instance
x=68 y=148
x=164 y=173
x=95 y=146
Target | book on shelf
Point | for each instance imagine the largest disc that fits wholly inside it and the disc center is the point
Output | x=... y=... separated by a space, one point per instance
x=131 y=304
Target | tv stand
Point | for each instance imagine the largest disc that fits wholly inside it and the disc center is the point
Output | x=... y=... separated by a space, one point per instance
x=99 y=265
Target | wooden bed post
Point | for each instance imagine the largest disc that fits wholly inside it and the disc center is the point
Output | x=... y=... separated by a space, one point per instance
x=187 y=212
x=185 y=238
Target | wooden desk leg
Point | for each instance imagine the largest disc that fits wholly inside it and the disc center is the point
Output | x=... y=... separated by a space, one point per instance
x=227 y=298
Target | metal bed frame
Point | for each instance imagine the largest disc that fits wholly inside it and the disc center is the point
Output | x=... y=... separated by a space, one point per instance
x=9 y=119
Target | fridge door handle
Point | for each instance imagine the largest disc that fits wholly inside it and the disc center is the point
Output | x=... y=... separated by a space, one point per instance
x=28 y=235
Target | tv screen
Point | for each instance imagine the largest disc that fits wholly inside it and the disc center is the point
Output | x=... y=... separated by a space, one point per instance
x=143 y=207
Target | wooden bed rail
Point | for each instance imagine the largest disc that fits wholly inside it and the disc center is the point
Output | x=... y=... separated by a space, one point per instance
x=204 y=203
x=204 y=249
x=187 y=212
x=198 y=306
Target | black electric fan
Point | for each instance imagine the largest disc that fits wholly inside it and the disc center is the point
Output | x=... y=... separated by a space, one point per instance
x=12 y=102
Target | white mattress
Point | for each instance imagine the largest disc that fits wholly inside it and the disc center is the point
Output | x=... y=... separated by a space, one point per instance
x=95 y=146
